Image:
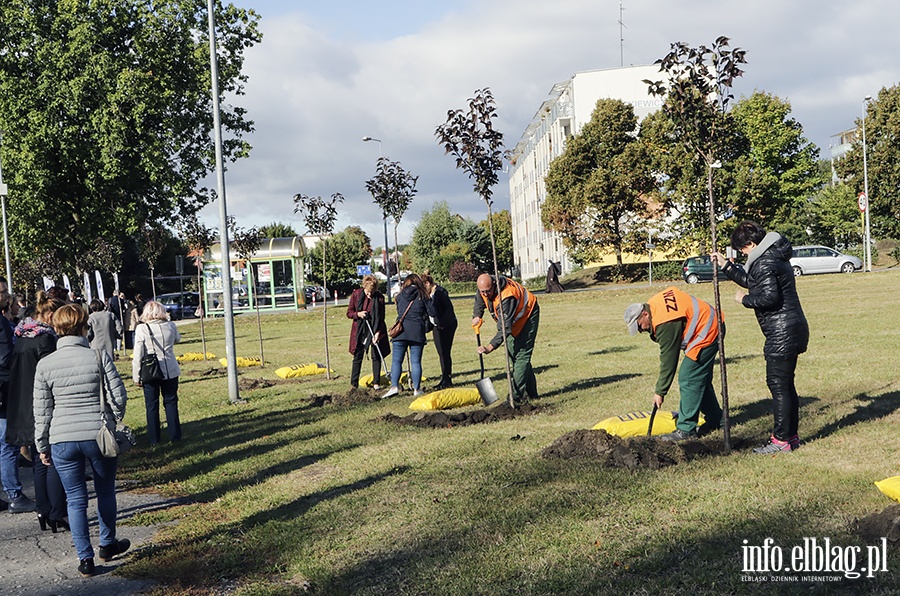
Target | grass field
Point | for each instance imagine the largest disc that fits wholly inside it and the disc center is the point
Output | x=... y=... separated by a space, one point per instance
x=286 y=498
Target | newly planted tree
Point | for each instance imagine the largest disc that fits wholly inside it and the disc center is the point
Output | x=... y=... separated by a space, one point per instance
x=198 y=238
x=393 y=189
x=245 y=244
x=320 y=215
x=471 y=138
x=697 y=92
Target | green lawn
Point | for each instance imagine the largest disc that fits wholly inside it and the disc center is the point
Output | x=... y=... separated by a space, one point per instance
x=286 y=496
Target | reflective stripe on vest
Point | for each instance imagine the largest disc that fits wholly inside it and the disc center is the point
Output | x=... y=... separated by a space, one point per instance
x=702 y=326
x=525 y=302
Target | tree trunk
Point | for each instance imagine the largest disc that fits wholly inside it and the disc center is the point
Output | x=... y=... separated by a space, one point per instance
x=509 y=393
x=325 y=313
x=718 y=303
x=153 y=281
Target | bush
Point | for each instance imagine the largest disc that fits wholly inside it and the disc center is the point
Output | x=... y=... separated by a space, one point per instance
x=462 y=271
x=461 y=287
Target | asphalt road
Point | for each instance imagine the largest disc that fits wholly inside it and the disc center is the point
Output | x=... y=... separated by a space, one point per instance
x=36 y=563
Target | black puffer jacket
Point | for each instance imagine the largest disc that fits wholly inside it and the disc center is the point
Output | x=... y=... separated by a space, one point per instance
x=773 y=295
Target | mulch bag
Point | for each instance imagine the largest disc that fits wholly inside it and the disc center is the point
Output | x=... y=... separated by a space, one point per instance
x=890 y=487
x=634 y=424
x=301 y=370
x=367 y=381
x=447 y=399
x=242 y=362
x=194 y=357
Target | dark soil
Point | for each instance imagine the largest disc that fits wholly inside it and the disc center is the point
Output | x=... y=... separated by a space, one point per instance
x=632 y=453
x=438 y=419
x=877 y=525
x=351 y=398
x=206 y=372
x=250 y=384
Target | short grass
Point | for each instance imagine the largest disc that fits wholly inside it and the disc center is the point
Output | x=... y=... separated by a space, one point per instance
x=285 y=497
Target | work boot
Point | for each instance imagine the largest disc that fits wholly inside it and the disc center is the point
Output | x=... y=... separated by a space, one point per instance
x=679 y=436
x=86 y=567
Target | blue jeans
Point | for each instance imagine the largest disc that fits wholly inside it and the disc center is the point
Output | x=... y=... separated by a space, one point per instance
x=68 y=458
x=9 y=465
x=169 y=390
x=415 y=357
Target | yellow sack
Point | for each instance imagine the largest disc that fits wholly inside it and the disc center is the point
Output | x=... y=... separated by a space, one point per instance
x=366 y=381
x=300 y=370
x=447 y=399
x=635 y=424
x=241 y=362
x=194 y=356
x=890 y=487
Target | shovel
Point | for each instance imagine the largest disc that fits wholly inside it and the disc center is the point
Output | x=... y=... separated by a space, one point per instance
x=484 y=386
x=652 y=416
x=377 y=349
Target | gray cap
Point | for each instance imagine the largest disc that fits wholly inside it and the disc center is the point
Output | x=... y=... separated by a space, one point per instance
x=631 y=316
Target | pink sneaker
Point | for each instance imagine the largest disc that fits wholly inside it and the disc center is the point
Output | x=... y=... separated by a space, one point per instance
x=774 y=446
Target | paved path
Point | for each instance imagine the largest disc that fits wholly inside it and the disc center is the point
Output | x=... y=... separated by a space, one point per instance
x=36 y=563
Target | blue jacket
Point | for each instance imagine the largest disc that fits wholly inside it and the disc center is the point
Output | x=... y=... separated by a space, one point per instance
x=416 y=319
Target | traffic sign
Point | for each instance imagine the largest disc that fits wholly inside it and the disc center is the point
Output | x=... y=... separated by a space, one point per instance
x=863 y=201
x=363 y=270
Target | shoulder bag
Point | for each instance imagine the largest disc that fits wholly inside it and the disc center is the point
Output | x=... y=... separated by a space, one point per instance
x=150 y=370
x=111 y=443
x=397 y=328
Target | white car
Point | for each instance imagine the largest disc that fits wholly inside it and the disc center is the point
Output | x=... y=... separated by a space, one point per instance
x=821 y=259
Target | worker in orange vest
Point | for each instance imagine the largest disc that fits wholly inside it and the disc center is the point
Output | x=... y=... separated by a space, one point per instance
x=521 y=314
x=678 y=322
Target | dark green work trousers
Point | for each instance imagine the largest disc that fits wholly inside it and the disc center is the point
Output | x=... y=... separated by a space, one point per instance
x=520 y=349
x=697 y=393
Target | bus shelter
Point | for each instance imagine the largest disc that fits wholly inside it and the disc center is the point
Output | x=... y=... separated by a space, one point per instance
x=272 y=278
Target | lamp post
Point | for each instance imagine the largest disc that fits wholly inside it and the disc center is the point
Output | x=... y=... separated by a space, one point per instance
x=868 y=238
x=9 y=279
x=387 y=270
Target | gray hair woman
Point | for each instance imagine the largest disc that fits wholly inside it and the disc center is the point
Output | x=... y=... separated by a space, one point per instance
x=158 y=335
x=67 y=386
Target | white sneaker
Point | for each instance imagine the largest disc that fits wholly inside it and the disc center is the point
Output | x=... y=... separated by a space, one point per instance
x=391 y=392
x=376 y=387
x=417 y=393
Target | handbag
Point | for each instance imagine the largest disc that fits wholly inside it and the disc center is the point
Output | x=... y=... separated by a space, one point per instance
x=111 y=443
x=397 y=328
x=150 y=370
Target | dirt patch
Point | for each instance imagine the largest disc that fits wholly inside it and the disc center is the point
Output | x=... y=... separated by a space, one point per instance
x=353 y=397
x=205 y=372
x=450 y=419
x=877 y=525
x=632 y=453
x=250 y=384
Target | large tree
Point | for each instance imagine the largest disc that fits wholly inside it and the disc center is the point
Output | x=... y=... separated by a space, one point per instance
x=441 y=238
x=882 y=156
x=106 y=111
x=346 y=249
x=596 y=190
x=502 y=224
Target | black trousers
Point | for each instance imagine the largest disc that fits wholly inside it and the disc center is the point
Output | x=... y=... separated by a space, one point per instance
x=357 y=364
x=49 y=495
x=785 y=401
x=443 y=342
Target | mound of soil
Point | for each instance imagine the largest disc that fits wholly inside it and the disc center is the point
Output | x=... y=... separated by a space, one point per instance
x=632 y=453
x=353 y=397
x=885 y=524
x=251 y=384
x=206 y=372
x=439 y=419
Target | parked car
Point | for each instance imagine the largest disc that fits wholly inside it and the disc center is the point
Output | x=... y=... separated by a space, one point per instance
x=180 y=305
x=821 y=259
x=696 y=269
x=317 y=291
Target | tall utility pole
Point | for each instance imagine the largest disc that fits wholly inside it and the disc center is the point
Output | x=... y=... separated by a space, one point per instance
x=387 y=270
x=868 y=237
x=621 y=34
x=230 y=357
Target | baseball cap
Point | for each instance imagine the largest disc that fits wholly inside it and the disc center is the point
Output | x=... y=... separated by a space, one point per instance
x=631 y=316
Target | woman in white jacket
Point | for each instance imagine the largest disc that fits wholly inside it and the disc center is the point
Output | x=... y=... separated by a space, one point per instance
x=158 y=335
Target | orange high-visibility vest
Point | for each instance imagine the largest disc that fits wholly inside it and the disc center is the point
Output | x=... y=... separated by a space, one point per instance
x=702 y=326
x=525 y=303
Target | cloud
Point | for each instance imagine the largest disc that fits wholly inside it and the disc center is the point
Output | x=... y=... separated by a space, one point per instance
x=316 y=87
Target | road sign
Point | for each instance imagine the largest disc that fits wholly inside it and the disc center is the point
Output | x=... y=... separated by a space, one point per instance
x=650 y=245
x=863 y=202
x=363 y=270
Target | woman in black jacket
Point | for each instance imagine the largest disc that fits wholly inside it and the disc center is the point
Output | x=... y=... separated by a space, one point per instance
x=412 y=307
x=773 y=296
x=35 y=338
x=444 y=320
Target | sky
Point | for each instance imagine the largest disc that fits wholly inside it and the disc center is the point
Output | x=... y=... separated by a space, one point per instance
x=326 y=74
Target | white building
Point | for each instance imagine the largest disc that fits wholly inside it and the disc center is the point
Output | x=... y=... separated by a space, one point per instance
x=562 y=115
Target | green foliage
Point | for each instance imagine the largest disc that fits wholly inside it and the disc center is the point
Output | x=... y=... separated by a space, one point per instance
x=346 y=250
x=277 y=229
x=882 y=128
x=441 y=238
x=243 y=242
x=833 y=217
x=502 y=223
x=595 y=188
x=107 y=115
x=460 y=287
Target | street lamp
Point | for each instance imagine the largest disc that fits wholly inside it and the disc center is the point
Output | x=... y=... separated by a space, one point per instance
x=387 y=271
x=9 y=279
x=868 y=238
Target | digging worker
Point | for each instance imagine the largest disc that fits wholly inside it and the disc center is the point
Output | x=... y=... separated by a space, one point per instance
x=678 y=321
x=521 y=315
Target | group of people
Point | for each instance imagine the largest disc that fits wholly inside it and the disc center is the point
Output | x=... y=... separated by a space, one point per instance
x=425 y=307
x=51 y=379
x=678 y=322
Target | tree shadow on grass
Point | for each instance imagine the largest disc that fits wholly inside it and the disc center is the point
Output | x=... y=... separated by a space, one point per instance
x=612 y=350
x=869 y=408
x=591 y=383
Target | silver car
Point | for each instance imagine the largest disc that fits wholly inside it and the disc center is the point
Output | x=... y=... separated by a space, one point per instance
x=820 y=259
